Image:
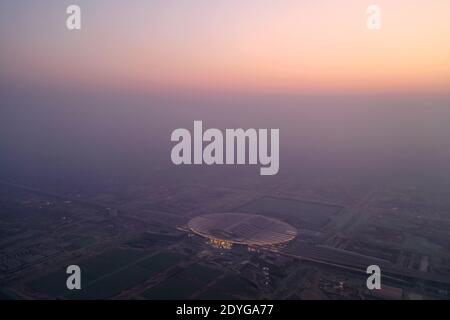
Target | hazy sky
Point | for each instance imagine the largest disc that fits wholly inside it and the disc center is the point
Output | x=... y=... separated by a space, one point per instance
x=258 y=45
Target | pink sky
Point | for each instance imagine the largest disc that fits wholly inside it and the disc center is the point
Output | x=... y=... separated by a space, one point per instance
x=262 y=45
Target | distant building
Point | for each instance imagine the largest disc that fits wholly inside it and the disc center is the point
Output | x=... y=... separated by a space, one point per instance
x=227 y=229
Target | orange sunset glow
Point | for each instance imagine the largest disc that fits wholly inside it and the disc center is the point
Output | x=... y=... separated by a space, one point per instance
x=293 y=46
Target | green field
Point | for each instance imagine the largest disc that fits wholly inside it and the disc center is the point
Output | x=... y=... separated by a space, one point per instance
x=113 y=285
x=172 y=288
x=160 y=261
x=6 y=296
x=108 y=274
x=52 y=285
x=183 y=284
x=230 y=287
x=75 y=242
x=105 y=263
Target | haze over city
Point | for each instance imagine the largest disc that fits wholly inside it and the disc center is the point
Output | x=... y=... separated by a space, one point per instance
x=86 y=176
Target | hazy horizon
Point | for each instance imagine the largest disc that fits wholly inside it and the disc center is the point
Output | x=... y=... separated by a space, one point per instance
x=320 y=47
